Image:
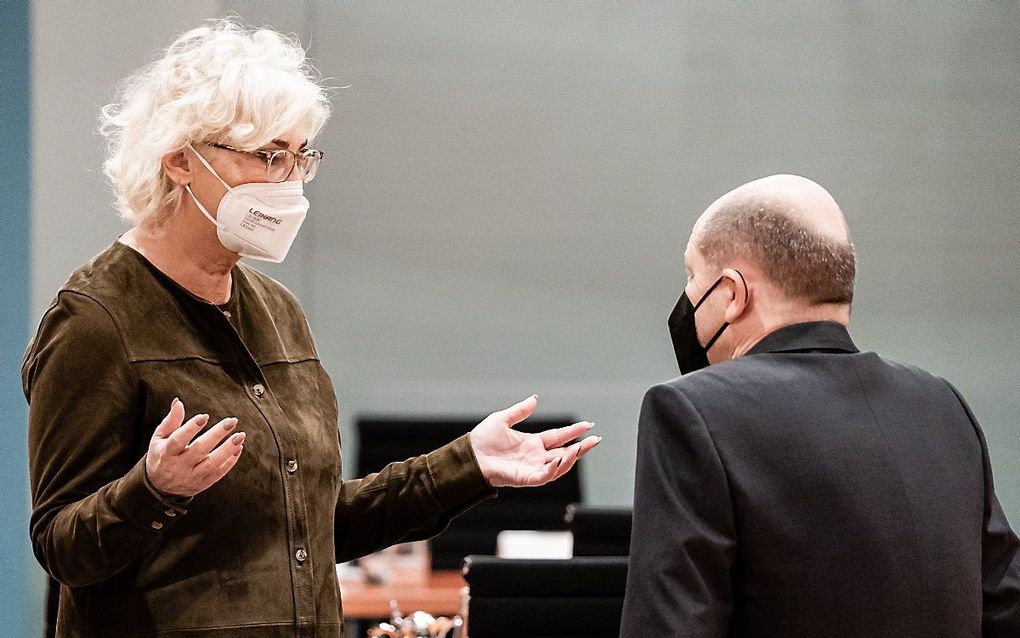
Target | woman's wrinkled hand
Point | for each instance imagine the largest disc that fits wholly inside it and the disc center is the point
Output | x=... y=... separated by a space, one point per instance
x=509 y=458
x=176 y=465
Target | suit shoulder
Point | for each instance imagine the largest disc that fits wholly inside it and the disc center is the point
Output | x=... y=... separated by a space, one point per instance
x=104 y=278
x=911 y=370
x=908 y=375
x=673 y=389
x=673 y=399
x=76 y=327
x=715 y=380
x=88 y=300
x=268 y=287
x=284 y=309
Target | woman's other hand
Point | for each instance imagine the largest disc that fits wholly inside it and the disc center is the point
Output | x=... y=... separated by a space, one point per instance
x=176 y=465
x=509 y=458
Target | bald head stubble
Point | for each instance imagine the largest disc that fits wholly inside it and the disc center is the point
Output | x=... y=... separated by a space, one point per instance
x=803 y=264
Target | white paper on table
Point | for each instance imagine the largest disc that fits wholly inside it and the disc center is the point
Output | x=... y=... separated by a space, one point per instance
x=514 y=543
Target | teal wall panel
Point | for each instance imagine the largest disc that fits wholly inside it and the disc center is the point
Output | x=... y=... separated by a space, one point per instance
x=17 y=604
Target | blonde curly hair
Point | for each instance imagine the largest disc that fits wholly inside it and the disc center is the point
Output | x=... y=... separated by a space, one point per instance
x=224 y=82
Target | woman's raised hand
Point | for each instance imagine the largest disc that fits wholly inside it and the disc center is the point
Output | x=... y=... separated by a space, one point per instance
x=176 y=465
x=509 y=458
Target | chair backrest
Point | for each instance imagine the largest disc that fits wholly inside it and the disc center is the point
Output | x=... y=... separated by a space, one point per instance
x=599 y=531
x=382 y=440
x=545 y=598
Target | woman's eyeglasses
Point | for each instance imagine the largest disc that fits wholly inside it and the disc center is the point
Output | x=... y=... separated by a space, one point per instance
x=280 y=163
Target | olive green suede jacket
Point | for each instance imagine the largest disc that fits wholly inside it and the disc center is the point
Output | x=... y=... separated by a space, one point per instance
x=255 y=554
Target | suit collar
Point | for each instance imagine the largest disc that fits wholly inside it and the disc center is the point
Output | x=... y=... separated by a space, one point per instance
x=811 y=336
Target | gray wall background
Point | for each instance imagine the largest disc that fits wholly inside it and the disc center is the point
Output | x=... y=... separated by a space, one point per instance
x=508 y=187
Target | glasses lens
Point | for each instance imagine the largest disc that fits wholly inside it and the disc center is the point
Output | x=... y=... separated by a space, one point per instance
x=308 y=161
x=281 y=163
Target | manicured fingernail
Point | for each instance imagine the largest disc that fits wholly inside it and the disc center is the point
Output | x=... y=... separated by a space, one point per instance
x=535 y=396
x=591 y=424
x=598 y=440
x=203 y=419
x=237 y=439
x=174 y=402
x=230 y=424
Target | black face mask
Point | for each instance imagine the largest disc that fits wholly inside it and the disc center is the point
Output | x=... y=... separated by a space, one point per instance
x=690 y=354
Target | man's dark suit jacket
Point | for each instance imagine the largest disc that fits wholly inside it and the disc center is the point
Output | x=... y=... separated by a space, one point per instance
x=808 y=489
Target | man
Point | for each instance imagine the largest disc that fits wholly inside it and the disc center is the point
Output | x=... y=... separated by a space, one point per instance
x=798 y=486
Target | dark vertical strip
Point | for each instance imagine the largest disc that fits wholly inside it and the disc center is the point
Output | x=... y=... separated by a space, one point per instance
x=16 y=605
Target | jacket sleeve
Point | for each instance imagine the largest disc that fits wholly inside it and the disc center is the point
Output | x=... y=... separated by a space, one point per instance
x=93 y=511
x=1000 y=555
x=683 y=540
x=410 y=500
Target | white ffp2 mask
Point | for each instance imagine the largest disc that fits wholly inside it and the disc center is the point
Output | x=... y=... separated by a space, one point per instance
x=258 y=220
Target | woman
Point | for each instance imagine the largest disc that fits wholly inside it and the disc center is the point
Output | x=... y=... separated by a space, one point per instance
x=229 y=521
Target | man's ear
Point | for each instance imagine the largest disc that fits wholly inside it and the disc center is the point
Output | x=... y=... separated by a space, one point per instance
x=177 y=166
x=739 y=297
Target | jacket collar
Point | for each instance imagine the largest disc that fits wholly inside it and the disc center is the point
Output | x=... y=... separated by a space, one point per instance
x=812 y=336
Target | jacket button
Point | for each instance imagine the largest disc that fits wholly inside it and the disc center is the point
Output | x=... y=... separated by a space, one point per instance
x=301 y=555
x=170 y=513
x=259 y=390
x=292 y=466
x=157 y=525
x=226 y=313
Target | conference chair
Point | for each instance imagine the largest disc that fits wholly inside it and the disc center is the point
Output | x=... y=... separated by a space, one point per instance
x=382 y=440
x=560 y=598
x=599 y=531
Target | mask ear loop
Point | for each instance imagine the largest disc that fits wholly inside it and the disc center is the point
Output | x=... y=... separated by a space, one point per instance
x=707 y=293
x=726 y=324
x=210 y=168
x=187 y=187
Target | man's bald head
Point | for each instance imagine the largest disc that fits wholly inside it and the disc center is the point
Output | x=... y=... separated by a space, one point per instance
x=791 y=228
